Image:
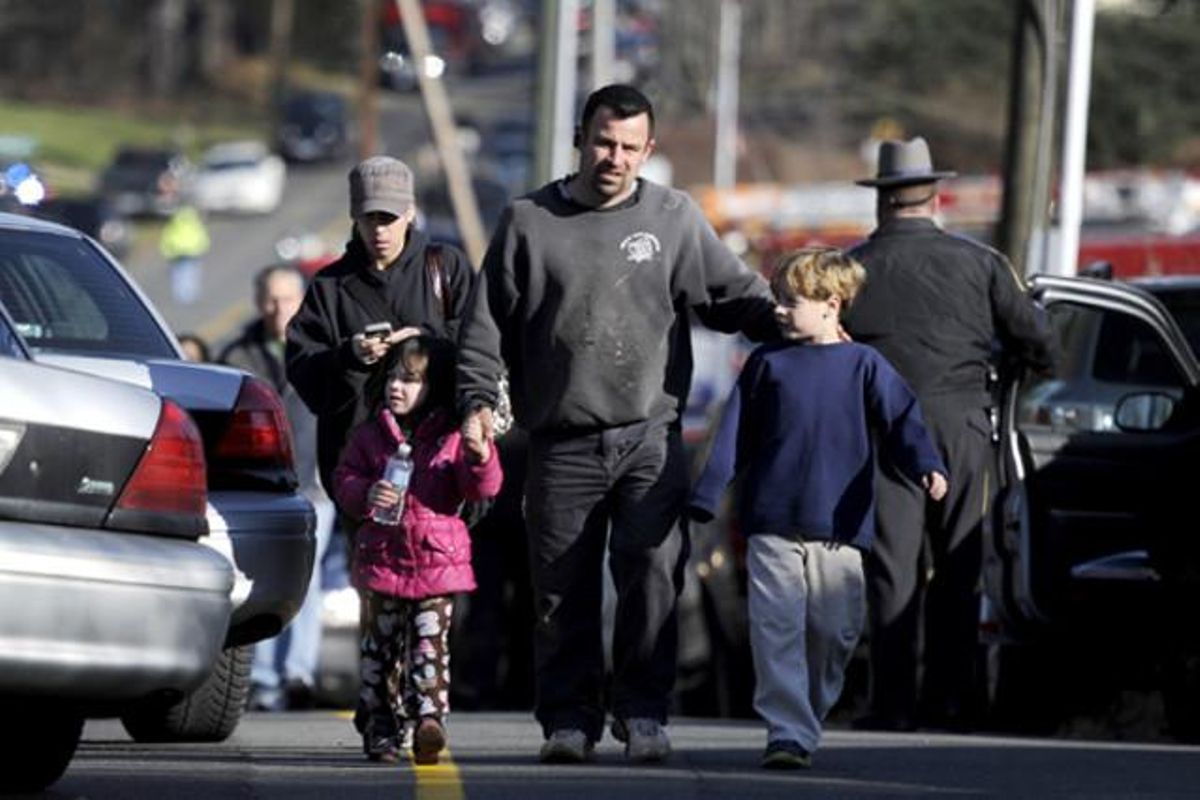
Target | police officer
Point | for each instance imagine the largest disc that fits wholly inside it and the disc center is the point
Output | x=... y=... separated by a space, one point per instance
x=939 y=307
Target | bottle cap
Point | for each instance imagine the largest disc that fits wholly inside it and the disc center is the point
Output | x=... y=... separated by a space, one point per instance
x=403 y=449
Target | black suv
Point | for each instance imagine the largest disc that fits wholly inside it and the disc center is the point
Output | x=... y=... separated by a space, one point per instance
x=1092 y=558
x=147 y=182
x=314 y=126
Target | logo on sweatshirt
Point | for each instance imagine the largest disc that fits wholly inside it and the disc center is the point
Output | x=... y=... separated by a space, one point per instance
x=640 y=246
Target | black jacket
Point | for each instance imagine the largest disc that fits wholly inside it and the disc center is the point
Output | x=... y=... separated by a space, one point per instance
x=320 y=362
x=940 y=306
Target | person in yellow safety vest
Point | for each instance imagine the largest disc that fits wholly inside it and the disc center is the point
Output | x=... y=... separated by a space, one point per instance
x=183 y=243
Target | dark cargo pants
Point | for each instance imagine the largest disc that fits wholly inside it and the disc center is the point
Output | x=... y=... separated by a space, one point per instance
x=635 y=478
x=901 y=587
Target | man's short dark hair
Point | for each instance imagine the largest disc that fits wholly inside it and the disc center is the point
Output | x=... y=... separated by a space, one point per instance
x=624 y=101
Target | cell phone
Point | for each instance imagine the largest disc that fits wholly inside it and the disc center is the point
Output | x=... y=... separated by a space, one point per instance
x=378 y=330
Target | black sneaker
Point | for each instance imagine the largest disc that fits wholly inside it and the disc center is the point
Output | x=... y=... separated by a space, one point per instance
x=384 y=749
x=785 y=754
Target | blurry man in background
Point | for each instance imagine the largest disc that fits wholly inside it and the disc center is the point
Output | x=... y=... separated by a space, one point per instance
x=283 y=675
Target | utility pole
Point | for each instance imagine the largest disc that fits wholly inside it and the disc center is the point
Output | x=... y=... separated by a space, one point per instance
x=282 y=16
x=557 y=80
x=445 y=134
x=604 y=41
x=1028 y=156
x=728 y=55
x=368 y=79
x=1079 y=80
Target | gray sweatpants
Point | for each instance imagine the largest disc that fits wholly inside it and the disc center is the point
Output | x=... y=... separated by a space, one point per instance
x=807 y=607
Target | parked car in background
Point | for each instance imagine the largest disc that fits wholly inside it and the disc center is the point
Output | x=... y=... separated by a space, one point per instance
x=147 y=181
x=435 y=209
x=74 y=307
x=1092 y=562
x=240 y=177
x=108 y=600
x=506 y=152
x=93 y=215
x=314 y=126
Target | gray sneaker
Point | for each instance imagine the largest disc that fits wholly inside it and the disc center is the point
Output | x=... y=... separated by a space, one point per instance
x=645 y=740
x=567 y=746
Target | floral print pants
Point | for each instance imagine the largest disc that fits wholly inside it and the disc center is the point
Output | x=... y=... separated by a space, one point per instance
x=404 y=666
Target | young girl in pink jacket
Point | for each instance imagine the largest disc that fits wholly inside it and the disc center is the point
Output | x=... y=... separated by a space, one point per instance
x=407 y=573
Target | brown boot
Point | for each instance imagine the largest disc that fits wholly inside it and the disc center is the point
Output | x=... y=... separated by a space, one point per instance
x=428 y=740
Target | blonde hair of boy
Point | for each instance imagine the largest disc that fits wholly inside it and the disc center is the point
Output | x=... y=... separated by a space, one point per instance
x=818 y=273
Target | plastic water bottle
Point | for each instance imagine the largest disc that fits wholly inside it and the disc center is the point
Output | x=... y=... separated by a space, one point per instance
x=397 y=472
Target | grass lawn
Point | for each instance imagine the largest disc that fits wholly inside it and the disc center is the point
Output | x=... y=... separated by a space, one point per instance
x=74 y=143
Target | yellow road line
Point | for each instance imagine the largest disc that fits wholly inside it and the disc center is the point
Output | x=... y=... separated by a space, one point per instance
x=221 y=327
x=440 y=781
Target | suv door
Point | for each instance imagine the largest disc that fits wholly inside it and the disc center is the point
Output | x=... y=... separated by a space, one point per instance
x=1092 y=493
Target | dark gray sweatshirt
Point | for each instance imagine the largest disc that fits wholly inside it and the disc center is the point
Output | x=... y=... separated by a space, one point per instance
x=589 y=308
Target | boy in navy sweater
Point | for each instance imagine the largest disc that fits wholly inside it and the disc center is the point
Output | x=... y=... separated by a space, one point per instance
x=799 y=429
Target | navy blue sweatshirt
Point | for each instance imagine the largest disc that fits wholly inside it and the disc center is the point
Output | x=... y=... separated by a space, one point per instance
x=798 y=430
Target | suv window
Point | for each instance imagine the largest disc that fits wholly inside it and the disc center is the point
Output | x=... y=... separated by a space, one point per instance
x=63 y=295
x=1184 y=306
x=1106 y=355
x=1129 y=351
x=142 y=159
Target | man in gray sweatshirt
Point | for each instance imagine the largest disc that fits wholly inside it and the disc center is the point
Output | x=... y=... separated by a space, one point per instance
x=585 y=296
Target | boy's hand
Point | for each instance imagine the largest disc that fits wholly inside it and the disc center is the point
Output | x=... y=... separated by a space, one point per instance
x=474 y=439
x=935 y=485
x=382 y=494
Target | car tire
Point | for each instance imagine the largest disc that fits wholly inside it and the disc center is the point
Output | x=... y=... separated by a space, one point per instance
x=209 y=714
x=37 y=742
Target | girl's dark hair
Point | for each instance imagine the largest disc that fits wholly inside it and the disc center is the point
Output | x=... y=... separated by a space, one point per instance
x=427 y=356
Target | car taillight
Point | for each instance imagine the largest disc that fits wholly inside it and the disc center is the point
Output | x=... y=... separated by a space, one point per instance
x=258 y=431
x=170 y=478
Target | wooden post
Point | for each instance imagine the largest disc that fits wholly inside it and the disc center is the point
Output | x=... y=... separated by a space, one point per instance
x=368 y=80
x=445 y=139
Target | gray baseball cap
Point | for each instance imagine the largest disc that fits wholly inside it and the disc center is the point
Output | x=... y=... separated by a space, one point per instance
x=380 y=183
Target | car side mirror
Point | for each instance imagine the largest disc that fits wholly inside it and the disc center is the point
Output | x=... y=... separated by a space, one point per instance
x=1143 y=411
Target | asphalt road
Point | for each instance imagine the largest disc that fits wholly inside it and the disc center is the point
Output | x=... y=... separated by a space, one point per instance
x=317 y=755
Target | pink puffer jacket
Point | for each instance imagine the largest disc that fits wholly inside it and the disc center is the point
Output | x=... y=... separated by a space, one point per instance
x=429 y=552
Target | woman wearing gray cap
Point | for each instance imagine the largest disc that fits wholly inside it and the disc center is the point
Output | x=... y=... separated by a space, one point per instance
x=390 y=283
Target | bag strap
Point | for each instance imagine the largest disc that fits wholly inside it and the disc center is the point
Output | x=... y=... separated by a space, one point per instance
x=435 y=265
